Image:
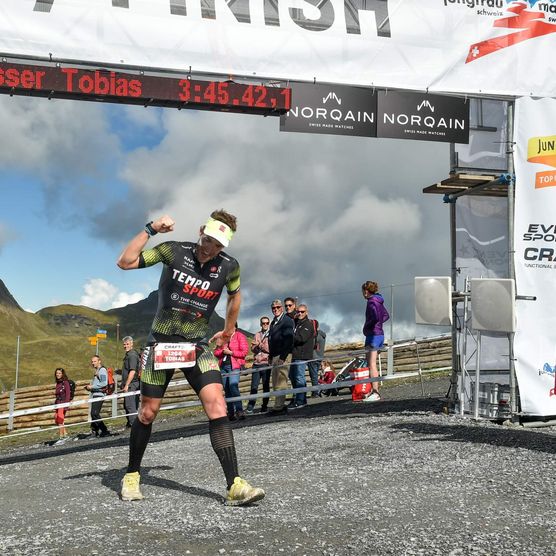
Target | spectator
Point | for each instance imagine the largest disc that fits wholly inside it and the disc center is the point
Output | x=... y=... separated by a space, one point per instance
x=291 y=308
x=375 y=315
x=303 y=343
x=231 y=357
x=318 y=354
x=327 y=372
x=96 y=388
x=130 y=380
x=260 y=350
x=280 y=343
x=63 y=395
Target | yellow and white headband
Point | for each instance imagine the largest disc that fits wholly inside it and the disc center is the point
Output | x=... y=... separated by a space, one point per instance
x=219 y=231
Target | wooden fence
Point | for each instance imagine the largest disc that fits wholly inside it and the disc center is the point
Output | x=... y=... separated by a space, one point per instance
x=430 y=353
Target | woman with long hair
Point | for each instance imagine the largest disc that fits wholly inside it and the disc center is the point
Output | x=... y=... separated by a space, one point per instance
x=63 y=395
x=375 y=315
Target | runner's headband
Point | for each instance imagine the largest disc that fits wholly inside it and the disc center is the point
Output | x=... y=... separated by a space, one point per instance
x=219 y=231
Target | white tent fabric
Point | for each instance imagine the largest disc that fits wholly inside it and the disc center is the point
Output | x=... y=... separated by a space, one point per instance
x=494 y=47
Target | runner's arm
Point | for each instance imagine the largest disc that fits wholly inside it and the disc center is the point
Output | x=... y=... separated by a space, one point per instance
x=129 y=258
x=232 y=312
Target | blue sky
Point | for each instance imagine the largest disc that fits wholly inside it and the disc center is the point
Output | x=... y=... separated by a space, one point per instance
x=318 y=215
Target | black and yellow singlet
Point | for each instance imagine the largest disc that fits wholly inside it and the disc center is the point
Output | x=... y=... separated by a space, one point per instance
x=188 y=292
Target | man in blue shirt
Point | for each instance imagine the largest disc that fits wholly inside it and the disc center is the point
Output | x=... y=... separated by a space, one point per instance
x=99 y=382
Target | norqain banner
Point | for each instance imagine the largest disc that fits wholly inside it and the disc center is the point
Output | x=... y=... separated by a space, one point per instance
x=403 y=115
x=535 y=254
x=463 y=46
x=332 y=109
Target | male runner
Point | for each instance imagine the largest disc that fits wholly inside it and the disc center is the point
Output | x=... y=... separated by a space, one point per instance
x=191 y=282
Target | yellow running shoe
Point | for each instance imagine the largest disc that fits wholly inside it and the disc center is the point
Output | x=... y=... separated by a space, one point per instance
x=242 y=493
x=130 y=487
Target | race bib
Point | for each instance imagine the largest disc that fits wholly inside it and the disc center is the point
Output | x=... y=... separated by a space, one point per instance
x=174 y=356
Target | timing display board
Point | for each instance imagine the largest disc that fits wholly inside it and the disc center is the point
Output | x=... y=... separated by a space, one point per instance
x=112 y=86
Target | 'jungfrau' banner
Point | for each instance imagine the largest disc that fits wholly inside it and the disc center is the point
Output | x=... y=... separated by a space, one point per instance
x=461 y=46
x=535 y=254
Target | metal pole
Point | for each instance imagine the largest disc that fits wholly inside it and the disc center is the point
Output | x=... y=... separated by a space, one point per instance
x=454 y=375
x=118 y=342
x=11 y=409
x=511 y=249
x=390 y=353
x=17 y=364
x=464 y=348
x=477 y=376
x=115 y=401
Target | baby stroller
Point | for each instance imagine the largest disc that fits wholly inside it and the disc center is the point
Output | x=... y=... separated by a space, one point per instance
x=349 y=372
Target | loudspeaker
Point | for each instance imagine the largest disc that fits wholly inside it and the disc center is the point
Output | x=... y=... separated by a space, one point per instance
x=433 y=300
x=493 y=304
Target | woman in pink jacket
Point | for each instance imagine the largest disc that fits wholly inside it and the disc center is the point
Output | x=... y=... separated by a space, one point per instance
x=231 y=357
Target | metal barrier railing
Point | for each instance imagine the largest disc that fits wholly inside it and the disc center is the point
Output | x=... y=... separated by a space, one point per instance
x=11 y=414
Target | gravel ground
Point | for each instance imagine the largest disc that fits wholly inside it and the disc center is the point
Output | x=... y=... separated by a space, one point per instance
x=397 y=477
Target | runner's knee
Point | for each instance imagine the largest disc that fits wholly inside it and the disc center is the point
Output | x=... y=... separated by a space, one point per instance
x=147 y=414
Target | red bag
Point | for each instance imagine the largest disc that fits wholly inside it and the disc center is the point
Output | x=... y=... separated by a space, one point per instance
x=363 y=389
x=111 y=386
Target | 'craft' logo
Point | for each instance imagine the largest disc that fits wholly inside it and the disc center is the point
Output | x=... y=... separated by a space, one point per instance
x=522 y=24
x=542 y=150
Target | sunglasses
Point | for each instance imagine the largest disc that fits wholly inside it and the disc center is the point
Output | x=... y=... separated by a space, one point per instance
x=301 y=312
x=290 y=305
x=265 y=323
x=277 y=307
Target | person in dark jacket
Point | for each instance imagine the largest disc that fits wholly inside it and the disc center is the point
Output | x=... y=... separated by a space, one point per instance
x=318 y=356
x=290 y=305
x=375 y=315
x=130 y=380
x=280 y=343
x=303 y=344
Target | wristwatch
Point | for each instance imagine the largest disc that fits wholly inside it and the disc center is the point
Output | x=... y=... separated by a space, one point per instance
x=149 y=229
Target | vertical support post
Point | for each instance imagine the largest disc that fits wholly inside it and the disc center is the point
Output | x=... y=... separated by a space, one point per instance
x=115 y=400
x=11 y=409
x=390 y=353
x=511 y=249
x=477 y=377
x=464 y=347
x=454 y=271
x=17 y=364
x=419 y=369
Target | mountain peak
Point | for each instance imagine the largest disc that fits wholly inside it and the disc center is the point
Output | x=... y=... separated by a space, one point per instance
x=7 y=299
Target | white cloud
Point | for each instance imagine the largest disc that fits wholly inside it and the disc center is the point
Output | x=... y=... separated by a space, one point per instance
x=317 y=215
x=123 y=299
x=100 y=294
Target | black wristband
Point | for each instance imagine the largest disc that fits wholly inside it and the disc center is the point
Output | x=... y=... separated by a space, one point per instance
x=149 y=229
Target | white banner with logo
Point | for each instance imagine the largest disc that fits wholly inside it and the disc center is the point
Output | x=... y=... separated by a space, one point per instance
x=464 y=46
x=535 y=254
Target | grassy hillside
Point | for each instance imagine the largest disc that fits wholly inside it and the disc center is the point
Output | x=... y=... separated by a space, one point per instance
x=57 y=336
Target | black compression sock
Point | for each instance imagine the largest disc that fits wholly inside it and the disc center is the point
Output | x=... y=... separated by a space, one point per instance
x=222 y=440
x=138 y=440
